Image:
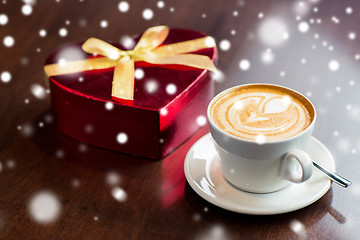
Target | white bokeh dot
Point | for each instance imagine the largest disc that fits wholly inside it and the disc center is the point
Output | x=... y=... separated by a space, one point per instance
x=303 y=27
x=164 y=112
x=260 y=139
x=210 y=42
x=139 y=73
x=267 y=57
x=9 y=41
x=103 y=24
x=244 y=64
x=63 y=32
x=127 y=42
x=171 y=88
x=225 y=45
x=5 y=77
x=160 y=4
x=218 y=76
x=42 y=32
x=44 y=207
x=62 y=62
x=271 y=31
x=26 y=9
x=38 y=91
x=352 y=36
x=147 y=14
x=122 y=138
x=201 y=120
x=3 y=19
x=151 y=86
x=334 y=65
x=335 y=20
x=119 y=194
x=109 y=106
x=113 y=178
x=123 y=6
x=349 y=10
x=296 y=226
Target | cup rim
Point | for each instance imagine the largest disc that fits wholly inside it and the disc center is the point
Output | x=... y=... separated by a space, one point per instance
x=253 y=141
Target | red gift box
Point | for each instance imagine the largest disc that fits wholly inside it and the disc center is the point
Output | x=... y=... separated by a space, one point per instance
x=169 y=103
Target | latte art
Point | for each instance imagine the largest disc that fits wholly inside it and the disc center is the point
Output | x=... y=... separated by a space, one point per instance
x=260 y=113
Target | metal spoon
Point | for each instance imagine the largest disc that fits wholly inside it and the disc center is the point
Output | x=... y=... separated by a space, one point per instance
x=333 y=176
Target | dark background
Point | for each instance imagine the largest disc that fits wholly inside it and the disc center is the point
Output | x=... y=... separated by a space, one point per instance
x=35 y=158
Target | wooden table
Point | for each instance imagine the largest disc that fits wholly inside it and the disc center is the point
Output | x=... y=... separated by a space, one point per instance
x=91 y=193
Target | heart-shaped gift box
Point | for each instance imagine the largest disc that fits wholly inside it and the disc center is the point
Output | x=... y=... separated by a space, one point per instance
x=169 y=102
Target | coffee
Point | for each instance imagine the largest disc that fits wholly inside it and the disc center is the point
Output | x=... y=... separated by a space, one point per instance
x=261 y=112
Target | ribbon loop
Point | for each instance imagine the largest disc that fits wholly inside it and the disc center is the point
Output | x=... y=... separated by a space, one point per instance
x=147 y=49
x=152 y=38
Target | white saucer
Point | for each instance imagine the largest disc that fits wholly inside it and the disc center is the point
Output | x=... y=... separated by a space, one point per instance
x=203 y=173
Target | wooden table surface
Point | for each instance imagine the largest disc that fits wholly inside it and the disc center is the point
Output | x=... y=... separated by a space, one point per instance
x=53 y=187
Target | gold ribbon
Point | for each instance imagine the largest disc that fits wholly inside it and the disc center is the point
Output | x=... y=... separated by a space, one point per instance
x=147 y=50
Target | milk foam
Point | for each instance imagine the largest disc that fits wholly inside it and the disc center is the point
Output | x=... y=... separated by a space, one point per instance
x=254 y=111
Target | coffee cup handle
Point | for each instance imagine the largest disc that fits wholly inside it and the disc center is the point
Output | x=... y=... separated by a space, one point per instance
x=296 y=166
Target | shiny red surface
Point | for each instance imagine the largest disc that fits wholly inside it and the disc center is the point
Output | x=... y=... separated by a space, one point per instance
x=80 y=104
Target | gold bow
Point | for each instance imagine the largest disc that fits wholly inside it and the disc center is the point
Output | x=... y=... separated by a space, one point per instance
x=147 y=50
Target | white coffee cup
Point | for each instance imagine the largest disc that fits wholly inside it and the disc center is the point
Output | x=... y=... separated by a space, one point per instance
x=263 y=167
